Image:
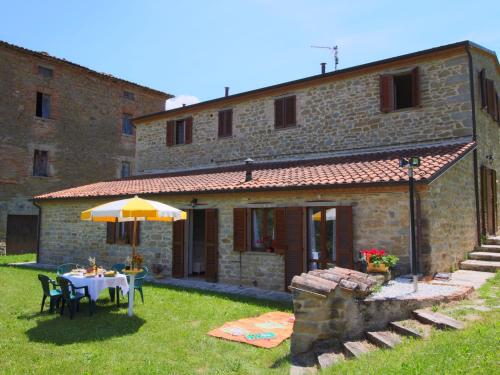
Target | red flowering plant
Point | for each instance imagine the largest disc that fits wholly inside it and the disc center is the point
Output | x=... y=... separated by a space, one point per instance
x=378 y=257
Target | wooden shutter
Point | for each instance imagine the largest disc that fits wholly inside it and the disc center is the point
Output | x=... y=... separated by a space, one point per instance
x=178 y=248
x=498 y=109
x=495 y=103
x=294 y=255
x=44 y=163
x=229 y=123
x=482 y=85
x=344 y=245
x=484 y=197
x=386 y=93
x=279 y=113
x=211 y=245
x=490 y=96
x=290 y=111
x=415 y=87
x=240 y=230
x=170 y=132
x=111 y=233
x=280 y=230
x=494 y=197
x=222 y=119
x=189 y=130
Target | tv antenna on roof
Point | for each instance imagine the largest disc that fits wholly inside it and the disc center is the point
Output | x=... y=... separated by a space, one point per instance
x=335 y=52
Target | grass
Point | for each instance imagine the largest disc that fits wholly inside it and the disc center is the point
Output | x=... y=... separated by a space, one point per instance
x=473 y=350
x=166 y=336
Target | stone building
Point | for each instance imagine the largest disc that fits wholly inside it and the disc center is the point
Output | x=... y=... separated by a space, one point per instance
x=325 y=180
x=61 y=125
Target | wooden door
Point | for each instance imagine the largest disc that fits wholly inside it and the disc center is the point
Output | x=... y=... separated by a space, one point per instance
x=211 y=245
x=294 y=253
x=344 y=246
x=22 y=234
x=178 y=248
x=489 y=201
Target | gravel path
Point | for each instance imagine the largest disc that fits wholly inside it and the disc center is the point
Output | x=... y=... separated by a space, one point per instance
x=403 y=288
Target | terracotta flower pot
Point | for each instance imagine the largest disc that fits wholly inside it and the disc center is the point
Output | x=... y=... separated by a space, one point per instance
x=377 y=268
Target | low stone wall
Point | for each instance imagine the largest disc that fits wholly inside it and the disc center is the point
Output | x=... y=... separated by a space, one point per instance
x=3 y=248
x=333 y=306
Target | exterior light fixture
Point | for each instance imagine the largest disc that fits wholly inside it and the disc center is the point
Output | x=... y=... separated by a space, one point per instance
x=409 y=164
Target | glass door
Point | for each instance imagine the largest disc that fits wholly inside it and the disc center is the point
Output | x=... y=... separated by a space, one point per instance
x=321 y=237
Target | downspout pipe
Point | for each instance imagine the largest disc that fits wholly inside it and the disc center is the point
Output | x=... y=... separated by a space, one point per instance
x=474 y=138
x=39 y=229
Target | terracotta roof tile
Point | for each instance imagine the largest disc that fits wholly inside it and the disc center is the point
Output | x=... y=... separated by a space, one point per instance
x=381 y=167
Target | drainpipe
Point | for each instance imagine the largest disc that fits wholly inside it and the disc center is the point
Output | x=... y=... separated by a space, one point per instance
x=474 y=153
x=38 y=230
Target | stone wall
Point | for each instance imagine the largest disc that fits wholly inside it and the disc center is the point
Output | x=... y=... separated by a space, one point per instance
x=83 y=137
x=488 y=131
x=338 y=114
x=448 y=219
x=380 y=220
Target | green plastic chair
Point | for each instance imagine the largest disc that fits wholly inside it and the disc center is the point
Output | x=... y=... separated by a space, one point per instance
x=65 y=268
x=71 y=296
x=139 y=280
x=53 y=294
x=118 y=267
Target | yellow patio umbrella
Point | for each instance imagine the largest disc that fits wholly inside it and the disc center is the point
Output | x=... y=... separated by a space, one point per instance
x=133 y=209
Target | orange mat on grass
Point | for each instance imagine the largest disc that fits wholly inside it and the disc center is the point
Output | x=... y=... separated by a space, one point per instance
x=265 y=331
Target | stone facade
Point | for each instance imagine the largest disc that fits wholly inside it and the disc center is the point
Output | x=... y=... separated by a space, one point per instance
x=338 y=114
x=83 y=135
x=380 y=217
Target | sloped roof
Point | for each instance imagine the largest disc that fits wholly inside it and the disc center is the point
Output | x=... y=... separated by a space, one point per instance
x=353 y=170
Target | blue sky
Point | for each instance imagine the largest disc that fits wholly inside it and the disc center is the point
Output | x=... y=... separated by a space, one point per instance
x=198 y=47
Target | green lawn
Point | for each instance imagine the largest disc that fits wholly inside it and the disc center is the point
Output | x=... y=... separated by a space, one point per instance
x=166 y=336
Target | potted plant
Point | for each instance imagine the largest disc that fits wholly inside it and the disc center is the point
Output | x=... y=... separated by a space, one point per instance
x=137 y=261
x=378 y=261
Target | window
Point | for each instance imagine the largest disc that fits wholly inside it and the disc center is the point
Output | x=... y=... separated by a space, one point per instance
x=399 y=91
x=262 y=225
x=128 y=95
x=42 y=105
x=225 y=123
x=180 y=132
x=45 y=72
x=125 y=169
x=321 y=237
x=489 y=96
x=127 y=126
x=284 y=112
x=40 y=163
x=122 y=233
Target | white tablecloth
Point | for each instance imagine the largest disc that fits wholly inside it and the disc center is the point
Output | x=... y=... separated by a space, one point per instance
x=97 y=284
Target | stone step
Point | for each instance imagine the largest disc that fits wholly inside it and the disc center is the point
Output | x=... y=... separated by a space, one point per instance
x=483 y=255
x=355 y=349
x=384 y=339
x=329 y=358
x=438 y=320
x=488 y=248
x=407 y=329
x=480 y=265
x=493 y=240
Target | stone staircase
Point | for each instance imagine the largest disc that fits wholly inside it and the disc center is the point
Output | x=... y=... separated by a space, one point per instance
x=485 y=258
x=420 y=327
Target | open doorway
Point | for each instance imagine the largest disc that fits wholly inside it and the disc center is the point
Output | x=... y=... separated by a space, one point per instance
x=196 y=246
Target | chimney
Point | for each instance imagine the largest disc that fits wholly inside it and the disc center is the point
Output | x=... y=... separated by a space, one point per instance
x=226 y=91
x=323 y=68
x=183 y=104
x=248 y=167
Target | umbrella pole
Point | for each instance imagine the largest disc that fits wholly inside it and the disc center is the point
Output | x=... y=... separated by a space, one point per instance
x=134 y=236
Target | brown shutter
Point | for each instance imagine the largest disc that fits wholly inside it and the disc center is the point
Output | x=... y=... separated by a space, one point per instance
x=498 y=109
x=482 y=85
x=170 y=132
x=221 y=132
x=189 y=130
x=290 y=110
x=495 y=102
x=344 y=245
x=278 y=113
x=280 y=230
x=229 y=123
x=111 y=233
x=294 y=255
x=240 y=240
x=178 y=248
x=490 y=96
x=138 y=234
x=415 y=87
x=494 y=197
x=386 y=93
x=211 y=245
